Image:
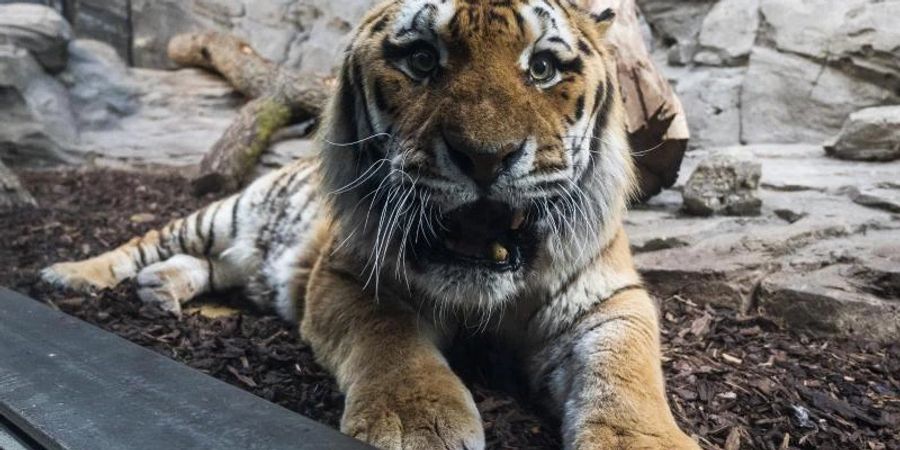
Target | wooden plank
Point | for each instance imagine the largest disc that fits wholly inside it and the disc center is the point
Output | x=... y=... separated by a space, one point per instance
x=69 y=385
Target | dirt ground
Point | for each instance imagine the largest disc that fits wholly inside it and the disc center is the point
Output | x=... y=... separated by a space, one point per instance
x=734 y=382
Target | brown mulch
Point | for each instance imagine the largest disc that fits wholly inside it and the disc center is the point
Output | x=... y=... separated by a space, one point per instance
x=734 y=382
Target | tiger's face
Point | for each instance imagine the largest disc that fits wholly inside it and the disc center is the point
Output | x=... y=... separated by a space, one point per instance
x=477 y=146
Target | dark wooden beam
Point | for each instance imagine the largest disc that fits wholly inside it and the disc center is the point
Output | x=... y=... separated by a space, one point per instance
x=12 y=438
x=69 y=385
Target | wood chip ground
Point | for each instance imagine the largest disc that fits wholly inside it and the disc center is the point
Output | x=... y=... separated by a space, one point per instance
x=734 y=382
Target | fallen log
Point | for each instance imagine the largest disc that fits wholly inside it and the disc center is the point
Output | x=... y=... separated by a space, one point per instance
x=12 y=194
x=279 y=98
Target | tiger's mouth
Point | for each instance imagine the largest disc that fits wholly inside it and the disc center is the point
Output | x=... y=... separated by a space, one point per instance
x=485 y=234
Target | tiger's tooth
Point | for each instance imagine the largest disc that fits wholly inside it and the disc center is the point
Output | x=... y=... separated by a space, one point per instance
x=517 y=220
x=499 y=253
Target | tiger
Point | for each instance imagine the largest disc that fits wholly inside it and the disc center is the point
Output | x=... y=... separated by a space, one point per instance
x=472 y=177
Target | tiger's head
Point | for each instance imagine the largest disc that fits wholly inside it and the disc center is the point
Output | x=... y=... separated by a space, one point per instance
x=476 y=148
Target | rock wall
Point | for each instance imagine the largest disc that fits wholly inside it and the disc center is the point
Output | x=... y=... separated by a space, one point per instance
x=748 y=71
x=36 y=122
x=765 y=71
x=305 y=35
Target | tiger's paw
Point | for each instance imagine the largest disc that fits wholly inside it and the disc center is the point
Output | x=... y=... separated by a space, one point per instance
x=84 y=276
x=177 y=280
x=416 y=415
x=609 y=438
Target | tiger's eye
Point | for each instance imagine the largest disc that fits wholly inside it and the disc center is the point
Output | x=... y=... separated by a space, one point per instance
x=423 y=62
x=542 y=69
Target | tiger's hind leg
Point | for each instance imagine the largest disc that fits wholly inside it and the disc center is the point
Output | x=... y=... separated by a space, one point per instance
x=203 y=251
x=181 y=278
x=205 y=233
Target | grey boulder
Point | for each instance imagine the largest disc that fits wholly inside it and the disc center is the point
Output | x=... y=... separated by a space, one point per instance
x=790 y=98
x=36 y=123
x=712 y=101
x=872 y=134
x=100 y=86
x=860 y=35
x=39 y=29
x=728 y=32
x=725 y=183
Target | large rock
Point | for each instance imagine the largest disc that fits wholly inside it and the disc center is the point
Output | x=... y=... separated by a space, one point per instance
x=790 y=98
x=886 y=198
x=36 y=122
x=814 y=259
x=869 y=41
x=728 y=32
x=857 y=35
x=805 y=27
x=40 y=29
x=872 y=134
x=326 y=34
x=725 y=183
x=676 y=24
x=704 y=272
x=100 y=87
x=857 y=294
x=22 y=139
x=711 y=100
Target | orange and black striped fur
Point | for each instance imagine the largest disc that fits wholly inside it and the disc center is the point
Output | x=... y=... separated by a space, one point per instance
x=472 y=179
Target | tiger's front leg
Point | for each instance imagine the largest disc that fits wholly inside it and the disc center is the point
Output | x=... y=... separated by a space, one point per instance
x=401 y=393
x=606 y=378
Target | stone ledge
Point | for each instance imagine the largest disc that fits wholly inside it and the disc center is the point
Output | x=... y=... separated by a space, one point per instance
x=817 y=258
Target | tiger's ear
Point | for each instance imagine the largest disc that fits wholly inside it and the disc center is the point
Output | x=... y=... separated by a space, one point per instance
x=605 y=16
x=604 y=19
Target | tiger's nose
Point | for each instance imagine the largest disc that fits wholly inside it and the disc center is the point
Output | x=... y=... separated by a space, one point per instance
x=480 y=161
